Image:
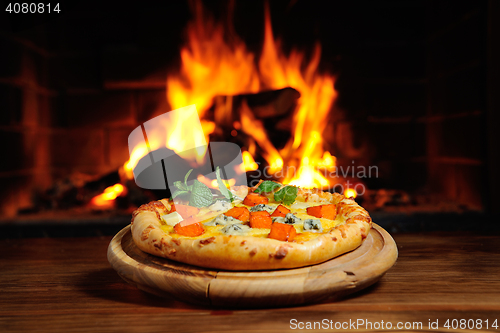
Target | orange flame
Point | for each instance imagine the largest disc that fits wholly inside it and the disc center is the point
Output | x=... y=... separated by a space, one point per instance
x=316 y=98
x=255 y=129
x=248 y=162
x=212 y=67
x=178 y=132
x=212 y=183
x=110 y=193
x=139 y=151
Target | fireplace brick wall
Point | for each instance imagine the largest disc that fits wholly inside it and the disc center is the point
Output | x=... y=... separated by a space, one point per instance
x=456 y=108
x=382 y=90
x=68 y=106
x=415 y=90
x=411 y=86
x=25 y=100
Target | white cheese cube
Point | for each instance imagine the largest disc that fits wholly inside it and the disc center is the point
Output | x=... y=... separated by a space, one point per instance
x=172 y=218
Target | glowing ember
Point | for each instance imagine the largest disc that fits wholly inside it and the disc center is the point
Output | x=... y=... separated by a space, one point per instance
x=110 y=193
x=350 y=193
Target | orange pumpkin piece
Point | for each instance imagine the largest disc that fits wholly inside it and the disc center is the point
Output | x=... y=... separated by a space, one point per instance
x=282 y=232
x=324 y=211
x=240 y=213
x=280 y=211
x=190 y=230
x=260 y=219
x=253 y=199
x=184 y=210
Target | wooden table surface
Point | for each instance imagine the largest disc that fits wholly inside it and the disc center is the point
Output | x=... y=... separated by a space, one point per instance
x=67 y=285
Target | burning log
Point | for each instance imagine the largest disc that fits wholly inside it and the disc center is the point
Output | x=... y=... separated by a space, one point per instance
x=286 y=124
x=108 y=191
x=273 y=107
x=262 y=119
x=282 y=125
x=273 y=104
x=75 y=190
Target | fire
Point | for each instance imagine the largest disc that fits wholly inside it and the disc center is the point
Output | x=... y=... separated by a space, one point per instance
x=327 y=161
x=110 y=193
x=308 y=176
x=212 y=183
x=180 y=131
x=255 y=129
x=139 y=151
x=212 y=67
x=248 y=162
x=183 y=135
x=350 y=193
x=317 y=96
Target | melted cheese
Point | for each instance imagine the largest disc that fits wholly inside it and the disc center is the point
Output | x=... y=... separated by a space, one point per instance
x=304 y=205
x=298 y=208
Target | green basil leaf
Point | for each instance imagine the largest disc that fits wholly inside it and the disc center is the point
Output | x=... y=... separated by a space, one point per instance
x=186 y=177
x=267 y=186
x=177 y=193
x=287 y=195
x=222 y=187
x=201 y=196
x=180 y=186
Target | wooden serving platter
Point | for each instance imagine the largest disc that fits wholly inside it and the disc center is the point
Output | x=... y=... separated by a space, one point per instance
x=335 y=278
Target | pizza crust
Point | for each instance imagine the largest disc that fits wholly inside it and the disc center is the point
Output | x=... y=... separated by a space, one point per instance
x=252 y=253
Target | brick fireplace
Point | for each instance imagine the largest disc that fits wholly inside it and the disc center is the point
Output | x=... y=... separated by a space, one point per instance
x=415 y=79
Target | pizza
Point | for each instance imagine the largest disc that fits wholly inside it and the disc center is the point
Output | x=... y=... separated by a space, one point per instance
x=266 y=227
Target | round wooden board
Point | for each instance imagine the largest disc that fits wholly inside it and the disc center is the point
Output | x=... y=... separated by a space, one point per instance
x=337 y=277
